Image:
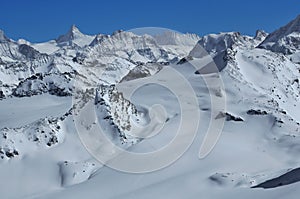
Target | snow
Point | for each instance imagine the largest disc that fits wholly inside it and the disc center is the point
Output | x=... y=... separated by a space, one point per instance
x=43 y=156
x=284 y=40
x=47 y=47
x=3 y=38
x=76 y=37
x=16 y=112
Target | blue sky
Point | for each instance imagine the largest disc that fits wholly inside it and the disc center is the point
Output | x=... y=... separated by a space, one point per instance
x=41 y=20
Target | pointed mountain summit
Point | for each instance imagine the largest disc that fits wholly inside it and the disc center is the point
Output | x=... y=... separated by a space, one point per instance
x=285 y=40
x=74 y=36
x=260 y=35
x=3 y=38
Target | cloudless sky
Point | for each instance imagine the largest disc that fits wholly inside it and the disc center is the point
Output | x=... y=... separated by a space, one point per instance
x=42 y=20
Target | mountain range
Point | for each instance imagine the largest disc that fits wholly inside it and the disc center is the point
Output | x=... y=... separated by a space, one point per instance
x=41 y=154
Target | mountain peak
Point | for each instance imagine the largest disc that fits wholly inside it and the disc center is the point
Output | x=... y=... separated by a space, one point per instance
x=3 y=38
x=72 y=34
x=117 y=32
x=74 y=29
x=260 y=35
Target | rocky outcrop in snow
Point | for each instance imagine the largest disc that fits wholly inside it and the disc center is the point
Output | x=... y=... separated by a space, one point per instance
x=43 y=133
x=118 y=114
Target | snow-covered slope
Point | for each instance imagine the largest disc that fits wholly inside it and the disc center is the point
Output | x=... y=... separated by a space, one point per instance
x=177 y=43
x=44 y=88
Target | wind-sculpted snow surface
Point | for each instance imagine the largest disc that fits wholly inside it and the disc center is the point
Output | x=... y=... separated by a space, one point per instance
x=181 y=116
